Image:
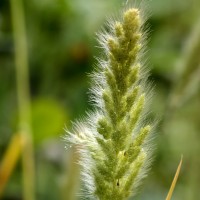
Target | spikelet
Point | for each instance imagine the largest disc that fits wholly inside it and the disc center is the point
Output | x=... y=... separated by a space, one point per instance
x=112 y=140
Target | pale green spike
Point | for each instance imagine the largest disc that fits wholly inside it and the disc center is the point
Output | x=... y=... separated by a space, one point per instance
x=119 y=30
x=136 y=167
x=122 y=111
x=136 y=37
x=117 y=52
x=133 y=76
x=135 y=113
x=111 y=81
x=122 y=170
x=133 y=153
x=127 y=160
x=104 y=171
x=116 y=154
x=131 y=97
x=133 y=53
x=109 y=106
x=104 y=128
x=113 y=63
x=142 y=135
x=113 y=47
x=103 y=188
x=105 y=145
x=131 y=22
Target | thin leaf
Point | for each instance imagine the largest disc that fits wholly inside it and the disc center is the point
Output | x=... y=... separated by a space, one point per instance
x=174 y=180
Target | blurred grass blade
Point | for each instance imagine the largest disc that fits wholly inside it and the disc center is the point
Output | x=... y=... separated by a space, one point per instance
x=9 y=161
x=23 y=96
x=174 y=180
x=189 y=66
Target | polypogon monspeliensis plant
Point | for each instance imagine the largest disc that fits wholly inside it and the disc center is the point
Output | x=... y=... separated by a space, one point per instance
x=113 y=140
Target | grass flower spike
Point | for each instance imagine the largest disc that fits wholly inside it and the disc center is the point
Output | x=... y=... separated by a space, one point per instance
x=112 y=140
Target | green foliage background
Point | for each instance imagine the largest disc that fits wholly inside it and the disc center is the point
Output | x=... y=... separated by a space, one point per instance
x=61 y=42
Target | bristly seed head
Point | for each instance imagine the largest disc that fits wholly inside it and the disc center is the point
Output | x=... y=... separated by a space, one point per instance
x=114 y=141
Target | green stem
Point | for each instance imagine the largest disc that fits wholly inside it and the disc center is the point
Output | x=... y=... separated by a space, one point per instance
x=23 y=95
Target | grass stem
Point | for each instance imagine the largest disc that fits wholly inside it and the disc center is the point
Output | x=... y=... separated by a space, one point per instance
x=23 y=95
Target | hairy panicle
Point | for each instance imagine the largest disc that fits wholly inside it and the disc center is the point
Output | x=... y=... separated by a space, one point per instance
x=113 y=139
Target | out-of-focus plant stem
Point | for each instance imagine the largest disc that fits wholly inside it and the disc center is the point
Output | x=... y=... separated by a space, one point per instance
x=188 y=79
x=9 y=161
x=189 y=64
x=23 y=93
